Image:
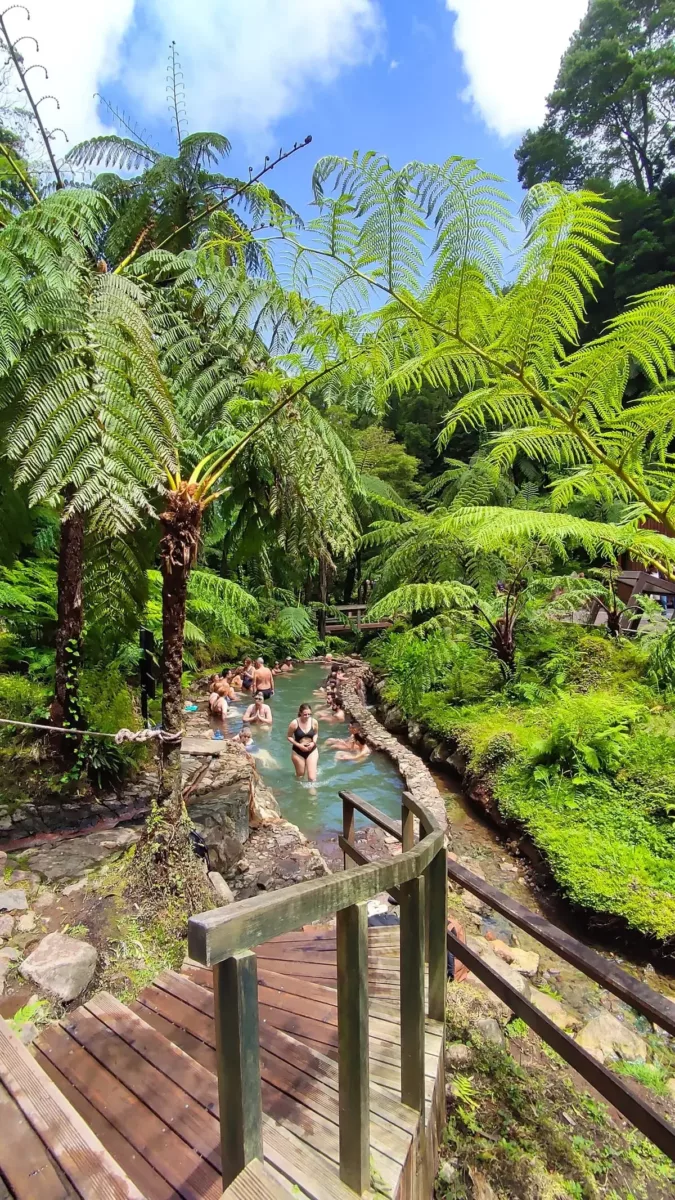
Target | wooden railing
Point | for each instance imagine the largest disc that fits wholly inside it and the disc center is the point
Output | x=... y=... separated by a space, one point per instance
x=638 y=995
x=224 y=939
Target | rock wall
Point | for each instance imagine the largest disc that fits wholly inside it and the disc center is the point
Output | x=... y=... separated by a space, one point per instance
x=417 y=778
x=74 y=810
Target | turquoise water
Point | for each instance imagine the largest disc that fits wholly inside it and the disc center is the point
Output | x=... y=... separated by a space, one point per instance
x=314 y=808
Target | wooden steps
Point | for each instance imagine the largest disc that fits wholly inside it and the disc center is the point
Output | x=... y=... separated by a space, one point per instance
x=140 y=1080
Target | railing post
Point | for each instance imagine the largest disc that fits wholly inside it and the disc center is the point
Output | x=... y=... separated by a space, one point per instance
x=235 y=998
x=348 y=826
x=411 y=955
x=353 y=1057
x=412 y=995
x=436 y=896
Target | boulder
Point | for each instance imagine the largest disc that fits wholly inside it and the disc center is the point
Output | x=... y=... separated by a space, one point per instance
x=489 y=1029
x=525 y=961
x=70 y=858
x=60 y=965
x=221 y=889
x=14 y=901
x=507 y=973
x=394 y=720
x=554 y=1010
x=6 y=926
x=415 y=733
x=458 y=1055
x=605 y=1038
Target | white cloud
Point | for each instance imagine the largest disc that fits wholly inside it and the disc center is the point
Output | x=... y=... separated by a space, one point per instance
x=79 y=44
x=249 y=62
x=246 y=63
x=394 y=64
x=512 y=51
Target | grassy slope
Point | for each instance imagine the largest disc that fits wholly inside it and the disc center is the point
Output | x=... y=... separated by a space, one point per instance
x=607 y=834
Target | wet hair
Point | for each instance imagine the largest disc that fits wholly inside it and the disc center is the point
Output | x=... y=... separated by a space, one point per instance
x=246 y=731
x=304 y=708
x=360 y=738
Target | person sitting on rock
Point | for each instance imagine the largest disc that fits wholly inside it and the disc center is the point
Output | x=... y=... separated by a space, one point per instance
x=258 y=712
x=362 y=750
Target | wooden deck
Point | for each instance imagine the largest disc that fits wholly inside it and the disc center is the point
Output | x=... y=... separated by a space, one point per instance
x=142 y=1078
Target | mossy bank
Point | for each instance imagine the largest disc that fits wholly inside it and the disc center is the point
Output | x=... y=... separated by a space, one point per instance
x=576 y=753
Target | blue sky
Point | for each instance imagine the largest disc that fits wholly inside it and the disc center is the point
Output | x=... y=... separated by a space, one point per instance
x=410 y=78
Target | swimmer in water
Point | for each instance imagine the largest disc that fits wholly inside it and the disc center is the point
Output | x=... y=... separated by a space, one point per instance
x=259 y=711
x=362 y=750
x=348 y=743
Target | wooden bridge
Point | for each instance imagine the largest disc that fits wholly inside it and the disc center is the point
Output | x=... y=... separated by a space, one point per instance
x=324 y=1057
x=348 y=618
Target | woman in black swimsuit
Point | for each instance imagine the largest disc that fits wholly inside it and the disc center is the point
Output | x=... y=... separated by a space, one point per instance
x=303 y=735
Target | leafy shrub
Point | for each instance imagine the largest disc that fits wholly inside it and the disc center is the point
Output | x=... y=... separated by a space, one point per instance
x=108 y=705
x=661 y=663
x=588 y=734
x=21 y=699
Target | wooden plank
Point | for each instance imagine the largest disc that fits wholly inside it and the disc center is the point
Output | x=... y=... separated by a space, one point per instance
x=24 y=1162
x=255 y=1183
x=151 y=1185
x=310 y=1172
x=198 y=1050
x=173 y=1062
x=436 y=897
x=181 y=1014
x=348 y=826
x=426 y=819
x=412 y=996
x=177 y=1163
x=362 y=860
x=214 y=935
x=407 y=828
x=641 y=1114
x=369 y=810
x=651 y=1004
x=352 y=1018
x=92 y=1171
x=235 y=997
x=169 y=1102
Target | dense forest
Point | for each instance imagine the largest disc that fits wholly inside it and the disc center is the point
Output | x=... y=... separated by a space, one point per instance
x=219 y=423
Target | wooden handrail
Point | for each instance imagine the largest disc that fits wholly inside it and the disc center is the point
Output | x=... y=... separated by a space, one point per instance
x=224 y=938
x=641 y=997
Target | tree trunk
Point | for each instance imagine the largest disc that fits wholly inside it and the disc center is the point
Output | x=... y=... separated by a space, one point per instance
x=178 y=548
x=503 y=643
x=65 y=709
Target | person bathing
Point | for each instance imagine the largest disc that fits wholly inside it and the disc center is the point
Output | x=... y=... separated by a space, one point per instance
x=247 y=673
x=361 y=750
x=263 y=679
x=258 y=712
x=348 y=743
x=303 y=734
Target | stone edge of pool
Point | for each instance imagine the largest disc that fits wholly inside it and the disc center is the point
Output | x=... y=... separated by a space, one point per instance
x=415 y=774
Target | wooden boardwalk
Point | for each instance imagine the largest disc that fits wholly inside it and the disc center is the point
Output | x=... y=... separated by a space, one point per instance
x=142 y=1080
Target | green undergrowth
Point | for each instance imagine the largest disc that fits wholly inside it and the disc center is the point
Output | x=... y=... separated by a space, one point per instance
x=579 y=750
x=518 y=1117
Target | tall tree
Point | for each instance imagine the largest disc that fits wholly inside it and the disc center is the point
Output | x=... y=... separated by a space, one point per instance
x=612 y=111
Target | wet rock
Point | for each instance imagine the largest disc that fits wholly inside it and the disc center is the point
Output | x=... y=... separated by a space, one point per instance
x=458 y=1055
x=494 y=928
x=554 y=1010
x=222 y=891
x=61 y=965
x=71 y=858
x=439 y=754
x=525 y=961
x=472 y=902
x=605 y=1038
x=473 y=866
x=415 y=733
x=26 y=923
x=507 y=973
x=489 y=1029
x=6 y=927
x=394 y=720
x=13 y=901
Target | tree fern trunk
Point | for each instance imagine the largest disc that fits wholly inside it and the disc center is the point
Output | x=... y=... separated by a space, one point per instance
x=178 y=549
x=65 y=708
